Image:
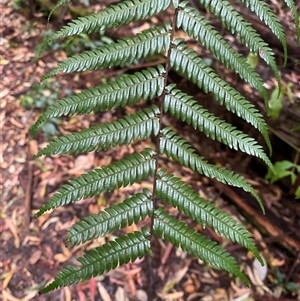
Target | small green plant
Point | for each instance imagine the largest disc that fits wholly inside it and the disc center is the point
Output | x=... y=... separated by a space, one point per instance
x=283 y=169
x=152 y=84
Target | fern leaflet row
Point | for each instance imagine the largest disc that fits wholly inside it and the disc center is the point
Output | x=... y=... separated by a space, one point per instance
x=103 y=259
x=180 y=235
x=129 y=129
x=111 y=219
x=114 y=16
x=125 y=90
x=133 y=168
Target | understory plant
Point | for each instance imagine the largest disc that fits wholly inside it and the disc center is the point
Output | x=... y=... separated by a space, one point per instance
x=161 y=99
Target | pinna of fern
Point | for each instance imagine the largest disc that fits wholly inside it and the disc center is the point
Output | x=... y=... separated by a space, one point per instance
x=151 y=84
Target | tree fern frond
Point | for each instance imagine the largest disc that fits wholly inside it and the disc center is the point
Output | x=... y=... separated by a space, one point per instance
x=237 y=24
x=296 y=16
x=133 y=168
x=190 y=20
x=111 y=219
x=137 y=126
x=186 y=62
x=100 y=260
x=265 y=14
x=180 y=235
x=127 y=89
x=179 y=150
x=120 y=53
x=113 y=16
x=176 y=193
x=183 y=107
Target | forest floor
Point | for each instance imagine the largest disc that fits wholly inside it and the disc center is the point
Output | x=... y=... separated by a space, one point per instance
x=33 y=251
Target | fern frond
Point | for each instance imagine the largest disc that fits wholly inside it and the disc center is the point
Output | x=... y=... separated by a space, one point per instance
x=127 y=89
x=56 y=6
x=176 y=193
x=296 y=16
x=180 y=235
x=120 y=53
x=113 y=16
x=112 y=219
x=133 y=168
x=190 y=20
x=237 y=24
x=100 y=260
x=131 y=128
x=179 y=150
x=186 y=62
x=265 y=14
x=183 y=107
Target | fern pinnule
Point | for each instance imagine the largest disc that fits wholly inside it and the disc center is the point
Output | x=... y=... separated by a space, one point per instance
x=180 y=151
x=113 y=16
x=103 y=259
x=199 y=28
x=296 y=16
x=176 y=193
x=187 y=63
x=180 y=235
x=131 y=169
x=183 y=107
x=131 y=128
x=116 y=217
x=238 y=25
x=120 y=53
x=263 y=11
x=125 y=90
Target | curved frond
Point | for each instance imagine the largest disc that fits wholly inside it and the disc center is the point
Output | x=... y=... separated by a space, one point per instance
x=113 y=16
x=180 y=235
x=265 y=14
x=186 y=62
x=133 y=168
x=183 y=107
x=112 y=219
x=296 y=15
x=56 y=6
x=237 y=24
x=198 y=27
x=120 y=53
x=179 y=150
x=134 y=127
x=100 y=260
x=176 y=193
x=127 y=89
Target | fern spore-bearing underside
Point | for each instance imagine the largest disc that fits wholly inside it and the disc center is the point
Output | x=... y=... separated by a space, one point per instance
x=152 y=85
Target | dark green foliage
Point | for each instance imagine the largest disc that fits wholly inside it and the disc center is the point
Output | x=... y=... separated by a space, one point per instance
x=151 y=84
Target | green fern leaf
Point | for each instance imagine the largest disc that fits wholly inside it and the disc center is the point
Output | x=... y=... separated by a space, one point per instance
x=186 y=62
x=127 y=89
x=296 y=16
x=131 y=128
x=112 y=219
x=180 y=235
x=121 y=53
x=237 y=24
x=198 y=27
x=100 y=260
x=183 y=107
x=133 y=168
x=176 y=193
x=114 y=16
x=263 y=11
x=179 y=150
x=56 y=6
